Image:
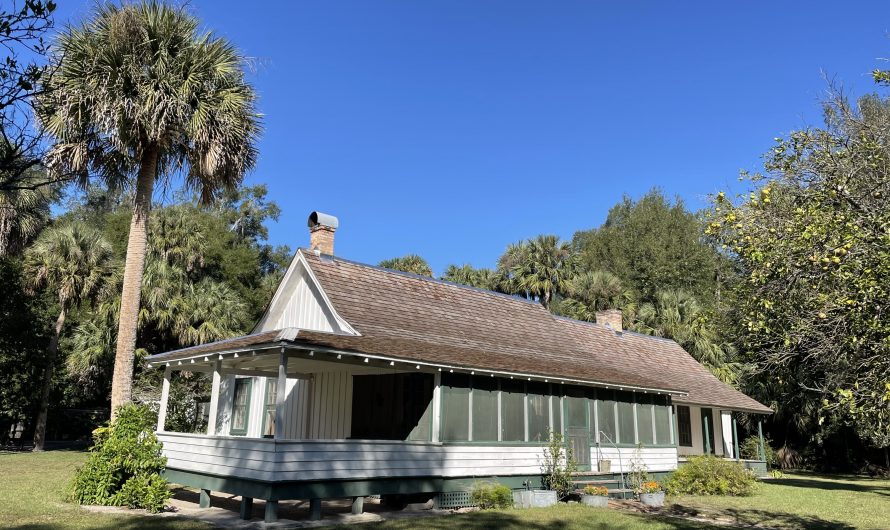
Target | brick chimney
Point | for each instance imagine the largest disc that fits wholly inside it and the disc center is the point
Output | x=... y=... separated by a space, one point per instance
x=321 y=232
x=610 y=318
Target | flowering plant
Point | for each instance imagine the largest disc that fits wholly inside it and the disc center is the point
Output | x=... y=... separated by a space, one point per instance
x=599 y=491
x=649 y=487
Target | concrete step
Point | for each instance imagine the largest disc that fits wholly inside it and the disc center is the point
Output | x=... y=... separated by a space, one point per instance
x=596 y=482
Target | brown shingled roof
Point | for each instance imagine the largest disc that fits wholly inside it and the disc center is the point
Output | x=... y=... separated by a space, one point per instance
x=410 y=317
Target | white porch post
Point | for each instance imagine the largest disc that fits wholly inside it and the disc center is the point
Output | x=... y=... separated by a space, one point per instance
x=437 y=408
x=214 y=398
x=280 y=395
x=165 y=395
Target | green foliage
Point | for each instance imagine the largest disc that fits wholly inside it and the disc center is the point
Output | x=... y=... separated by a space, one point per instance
x=639 y=473
x=653 y=244
x=23 y=339
x=140 y=78
x=539 y=268
x=488 y=495
x=558 y=466
x=678 y=316
x=812 y=242
x=487 y=279
x=750 y=450
x=711 y=475
x=124 y=465
x=409 y=263
x=202 y=282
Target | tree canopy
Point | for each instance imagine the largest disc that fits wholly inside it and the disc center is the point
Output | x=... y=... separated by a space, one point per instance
x=812 y=240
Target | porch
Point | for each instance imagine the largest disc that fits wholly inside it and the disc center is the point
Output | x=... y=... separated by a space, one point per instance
x=351 y=425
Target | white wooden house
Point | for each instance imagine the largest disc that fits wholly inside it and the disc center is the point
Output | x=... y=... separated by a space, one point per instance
x=360 y=380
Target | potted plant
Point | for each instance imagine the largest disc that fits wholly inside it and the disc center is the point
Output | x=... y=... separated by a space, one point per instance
x=595 y=496
x=650 y=493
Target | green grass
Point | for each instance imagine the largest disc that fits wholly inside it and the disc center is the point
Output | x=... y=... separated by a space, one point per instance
x=32 y=492
x=803 y=500
x=32 y=497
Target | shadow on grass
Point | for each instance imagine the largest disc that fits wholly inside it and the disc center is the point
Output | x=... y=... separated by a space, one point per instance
x=135 y=523
x=760 y=518
x=834 y=483
x=519 y=519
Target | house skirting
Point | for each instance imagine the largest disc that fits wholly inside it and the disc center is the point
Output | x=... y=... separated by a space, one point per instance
x=449 y=492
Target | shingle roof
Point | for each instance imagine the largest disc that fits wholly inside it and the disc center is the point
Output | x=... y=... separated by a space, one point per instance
x=411 y=317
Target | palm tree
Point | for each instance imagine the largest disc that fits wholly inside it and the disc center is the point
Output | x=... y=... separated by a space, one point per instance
x=24 y=210
x=593 y=291
x=139 y=95
x=487 y=279
x=678 y=316
x=539 y=267
x=409 y=263
x=73 y=261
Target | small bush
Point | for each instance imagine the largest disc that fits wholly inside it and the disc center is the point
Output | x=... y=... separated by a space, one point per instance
x=124 y=465
x=750 y=450
x=558 y=467
x=487 y=495
x=710 y=475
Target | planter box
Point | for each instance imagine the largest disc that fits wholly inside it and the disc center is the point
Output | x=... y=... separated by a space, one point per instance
x=595 y=500
x=652 y=499
x=604 y=466
x=534 y=498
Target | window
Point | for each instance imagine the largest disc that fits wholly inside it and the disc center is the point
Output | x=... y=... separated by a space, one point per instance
x=538 y=412
x=605 y=410
x=576 y=407
x=645 y=411
x=512 y=411
x=626 y=424
x=662 y=421
x=240 y=406
x=707 y=419
x=269 y=401
x=455 y=407
x=684 y=426
x=485 y=409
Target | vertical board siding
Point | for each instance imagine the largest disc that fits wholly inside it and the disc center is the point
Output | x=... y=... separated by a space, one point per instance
x=331 y=406
x=304 y=308
x=277 y=460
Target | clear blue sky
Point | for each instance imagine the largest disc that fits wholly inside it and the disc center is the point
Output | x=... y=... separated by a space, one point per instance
x=452 y=128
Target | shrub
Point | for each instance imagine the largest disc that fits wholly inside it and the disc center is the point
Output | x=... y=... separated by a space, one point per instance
x=598 y=491
x=488 y=495
x=559 y=466
x=750 y=450
x=710 y=475
x=124 y=465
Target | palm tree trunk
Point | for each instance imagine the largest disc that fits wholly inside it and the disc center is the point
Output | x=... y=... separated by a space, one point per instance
x=51 y=351
x=122 y=380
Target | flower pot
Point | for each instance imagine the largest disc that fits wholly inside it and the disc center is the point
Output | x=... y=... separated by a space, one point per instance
x=598 y=501
x=534 y=498
x=652 y=499
x=604 y=466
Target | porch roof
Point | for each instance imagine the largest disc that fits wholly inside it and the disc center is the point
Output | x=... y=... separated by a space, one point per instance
x=436 y=355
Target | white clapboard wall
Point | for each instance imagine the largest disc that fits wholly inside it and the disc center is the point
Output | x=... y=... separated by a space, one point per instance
x=360 y=459
x=316 y=408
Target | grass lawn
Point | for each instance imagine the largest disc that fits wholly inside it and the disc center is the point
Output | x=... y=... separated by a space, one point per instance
x=32 y=490
x=804 y=500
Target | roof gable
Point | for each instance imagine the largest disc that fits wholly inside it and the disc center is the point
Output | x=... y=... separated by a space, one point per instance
x=300 y=302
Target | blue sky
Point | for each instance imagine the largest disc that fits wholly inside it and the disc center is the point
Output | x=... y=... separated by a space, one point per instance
x=452 y=128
